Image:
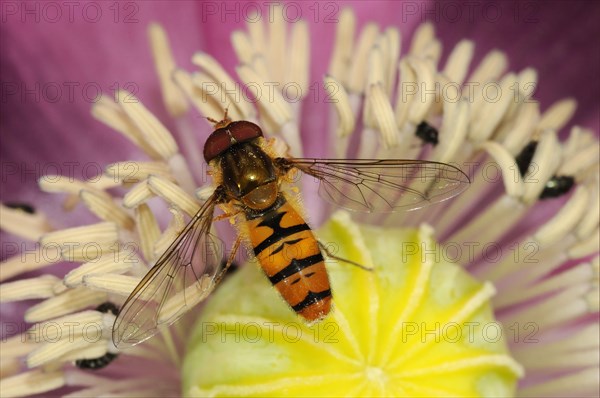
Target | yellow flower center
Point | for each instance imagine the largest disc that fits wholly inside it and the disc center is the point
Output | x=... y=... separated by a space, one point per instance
x=416 y=325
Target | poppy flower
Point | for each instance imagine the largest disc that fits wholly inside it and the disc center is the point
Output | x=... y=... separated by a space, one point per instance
x=494 y=292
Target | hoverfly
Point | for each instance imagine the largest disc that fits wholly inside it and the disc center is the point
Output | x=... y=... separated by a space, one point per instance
x=248 y=176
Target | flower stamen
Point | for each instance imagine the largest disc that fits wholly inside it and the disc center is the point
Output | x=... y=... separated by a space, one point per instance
x=165 y=65
x=23 y=224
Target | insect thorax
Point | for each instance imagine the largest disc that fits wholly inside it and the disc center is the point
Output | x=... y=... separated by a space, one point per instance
x=249 y=175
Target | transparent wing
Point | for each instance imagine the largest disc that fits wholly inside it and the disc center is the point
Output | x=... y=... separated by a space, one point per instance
x=375 y=185
x=182 y=277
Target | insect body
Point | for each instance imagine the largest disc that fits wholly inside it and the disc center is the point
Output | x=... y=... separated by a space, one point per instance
x=249 y=181
x=290 y=256
x=282 y=242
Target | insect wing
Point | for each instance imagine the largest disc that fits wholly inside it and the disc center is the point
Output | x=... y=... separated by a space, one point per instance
x=375 y=185
x=182 y=277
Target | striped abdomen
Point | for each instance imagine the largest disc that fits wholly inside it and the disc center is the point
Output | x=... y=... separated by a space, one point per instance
x=290 y=256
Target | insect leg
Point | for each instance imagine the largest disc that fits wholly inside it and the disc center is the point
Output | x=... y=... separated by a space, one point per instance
x=226 y=215
x=230 y=259
x=329 y=254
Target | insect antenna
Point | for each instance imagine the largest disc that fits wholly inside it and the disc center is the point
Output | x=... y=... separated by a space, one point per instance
x=220 y=123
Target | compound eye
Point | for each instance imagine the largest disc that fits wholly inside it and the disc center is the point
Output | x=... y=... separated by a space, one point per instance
x=233 y=133
x=217 y=143
x=244 y=130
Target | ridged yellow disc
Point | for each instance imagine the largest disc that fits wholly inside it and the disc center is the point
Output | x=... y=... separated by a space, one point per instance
x=416 y=325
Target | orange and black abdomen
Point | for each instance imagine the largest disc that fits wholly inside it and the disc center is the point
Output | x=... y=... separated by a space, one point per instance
x=290 y=256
